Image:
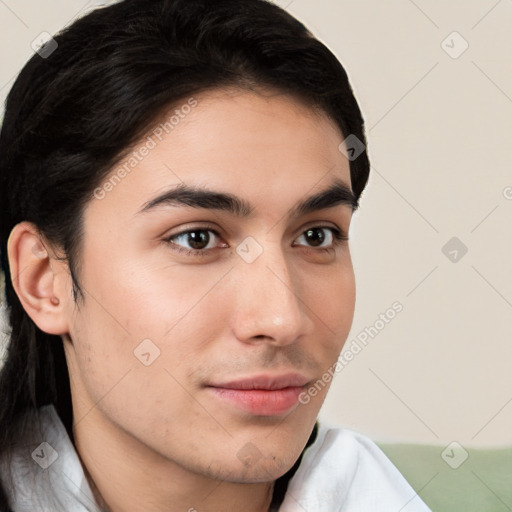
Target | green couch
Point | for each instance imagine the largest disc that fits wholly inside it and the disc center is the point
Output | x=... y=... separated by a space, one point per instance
x=482 y=483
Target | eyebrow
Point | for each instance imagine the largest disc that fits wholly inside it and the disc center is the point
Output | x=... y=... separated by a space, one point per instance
x=338 y=193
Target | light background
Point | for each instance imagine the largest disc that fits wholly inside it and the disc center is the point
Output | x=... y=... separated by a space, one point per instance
x=439 y=132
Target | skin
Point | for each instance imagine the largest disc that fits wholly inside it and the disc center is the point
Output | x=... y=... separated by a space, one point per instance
x=154 y=436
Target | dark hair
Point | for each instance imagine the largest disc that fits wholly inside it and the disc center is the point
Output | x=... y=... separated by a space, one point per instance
x=73 y=113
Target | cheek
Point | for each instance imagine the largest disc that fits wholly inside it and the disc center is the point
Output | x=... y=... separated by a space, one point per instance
x=332 y=307
x=138 y=379
x=331 y=302
x=142 y=329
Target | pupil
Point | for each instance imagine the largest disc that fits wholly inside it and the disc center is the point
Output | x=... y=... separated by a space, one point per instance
x=316 y=240
x=196 y=241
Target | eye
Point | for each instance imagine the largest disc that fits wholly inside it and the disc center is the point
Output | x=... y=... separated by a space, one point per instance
x=315 y=236
x=198 y=240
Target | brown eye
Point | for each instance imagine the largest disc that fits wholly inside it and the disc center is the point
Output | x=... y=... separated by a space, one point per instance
x=195 y=242
x=197 y=239
x=316 y=237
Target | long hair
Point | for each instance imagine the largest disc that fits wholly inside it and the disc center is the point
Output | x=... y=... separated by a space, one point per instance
x=78 y=105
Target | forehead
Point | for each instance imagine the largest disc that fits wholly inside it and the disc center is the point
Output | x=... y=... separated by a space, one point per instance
x=260 y=145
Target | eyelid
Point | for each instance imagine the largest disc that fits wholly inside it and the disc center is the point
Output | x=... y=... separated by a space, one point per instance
x=203 y=227
x=322 y=224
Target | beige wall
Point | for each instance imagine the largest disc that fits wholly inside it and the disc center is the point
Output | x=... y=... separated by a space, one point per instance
x=439 y=136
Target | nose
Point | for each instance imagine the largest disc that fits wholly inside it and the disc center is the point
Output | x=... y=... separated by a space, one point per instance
x=271 y=302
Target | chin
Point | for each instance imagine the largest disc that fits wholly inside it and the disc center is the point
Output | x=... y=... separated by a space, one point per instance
x=260 y=472
x=262 y=460
x=255 y=466
x=250 y=465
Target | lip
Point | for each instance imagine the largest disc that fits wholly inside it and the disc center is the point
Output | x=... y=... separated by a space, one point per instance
x=262 y=395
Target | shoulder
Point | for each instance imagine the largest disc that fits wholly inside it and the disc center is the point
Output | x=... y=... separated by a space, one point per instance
x=345 y=470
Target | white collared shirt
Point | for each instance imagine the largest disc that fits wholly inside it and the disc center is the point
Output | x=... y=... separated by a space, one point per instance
x=342 y=471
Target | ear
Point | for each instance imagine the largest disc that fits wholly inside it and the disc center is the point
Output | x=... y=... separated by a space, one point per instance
x=37 y=279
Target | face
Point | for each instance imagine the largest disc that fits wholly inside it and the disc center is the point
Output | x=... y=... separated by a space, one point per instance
x=204 y=317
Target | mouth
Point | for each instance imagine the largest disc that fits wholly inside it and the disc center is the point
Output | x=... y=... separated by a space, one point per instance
x=262 y=395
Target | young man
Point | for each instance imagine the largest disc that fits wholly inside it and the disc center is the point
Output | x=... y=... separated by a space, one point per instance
x=178 y=182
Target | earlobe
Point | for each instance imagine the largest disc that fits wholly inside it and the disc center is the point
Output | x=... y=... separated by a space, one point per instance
x=34 y=279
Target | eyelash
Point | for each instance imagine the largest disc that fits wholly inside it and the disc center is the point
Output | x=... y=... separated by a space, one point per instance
x=338 y=239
